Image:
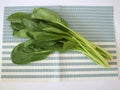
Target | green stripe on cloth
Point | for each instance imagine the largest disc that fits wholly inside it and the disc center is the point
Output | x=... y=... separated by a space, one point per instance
x=60 y=76
x=57 y=70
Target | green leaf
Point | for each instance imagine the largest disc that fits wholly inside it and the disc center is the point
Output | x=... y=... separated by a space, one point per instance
x=20 y=29
x=48 y=15
x=48 y=45
x=30 y=24
x=44 y=36
x=17 y=26
x=18 y=17
x=23 y=55
x=70 y=45
x=21 y=33
x=55 y=30
x=47 y=27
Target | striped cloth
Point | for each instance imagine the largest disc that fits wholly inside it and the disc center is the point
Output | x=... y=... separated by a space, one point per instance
x=93 y=22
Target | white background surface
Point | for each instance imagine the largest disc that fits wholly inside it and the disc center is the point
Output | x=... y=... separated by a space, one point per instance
x=76 y=85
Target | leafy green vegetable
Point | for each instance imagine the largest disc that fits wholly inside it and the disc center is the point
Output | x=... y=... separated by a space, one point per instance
x=18 y=17
x=22 y=54
x=85 y=44
x=20 y=33
x=21 y=23
x=48 y=28
x=70 y=45
x=33 y=50
x=44 y=36
x=47 y=33
x=17 y=26
x=48 y=15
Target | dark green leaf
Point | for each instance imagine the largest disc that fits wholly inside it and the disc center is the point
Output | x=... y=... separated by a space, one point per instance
x=69 y=45
x=17 y=26
x=30 y=24
x=20 y=29
x=23 y=55
x=18 y=17
x=45 y=26
x=47 y=15
x=44 y=36
x=21 y=33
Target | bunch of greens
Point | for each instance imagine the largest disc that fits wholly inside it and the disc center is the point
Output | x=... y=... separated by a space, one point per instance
x=47 y=32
